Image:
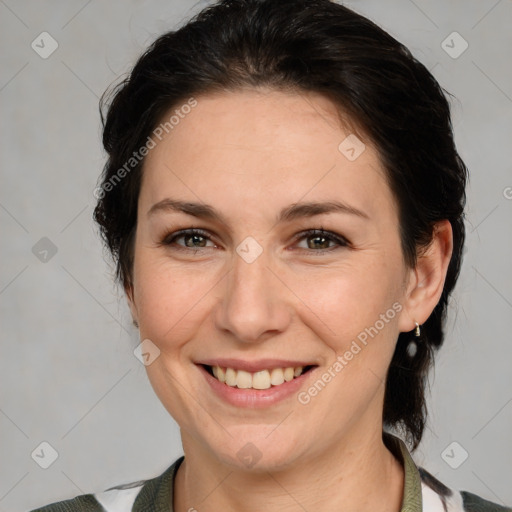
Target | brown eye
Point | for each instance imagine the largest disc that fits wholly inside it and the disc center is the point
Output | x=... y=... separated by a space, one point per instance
x=319 y=242
x=321 y=239
x=193 y=239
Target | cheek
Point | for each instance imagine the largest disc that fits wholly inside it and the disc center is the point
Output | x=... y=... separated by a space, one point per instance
x=168 y=300
x=355 y=313
x=350 y=298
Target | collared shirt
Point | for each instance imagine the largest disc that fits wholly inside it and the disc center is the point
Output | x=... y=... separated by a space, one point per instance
x=422 y=492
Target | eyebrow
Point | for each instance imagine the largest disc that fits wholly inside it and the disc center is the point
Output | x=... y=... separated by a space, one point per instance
x=287 y=214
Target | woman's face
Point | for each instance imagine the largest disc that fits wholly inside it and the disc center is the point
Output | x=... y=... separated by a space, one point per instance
x=252 y=291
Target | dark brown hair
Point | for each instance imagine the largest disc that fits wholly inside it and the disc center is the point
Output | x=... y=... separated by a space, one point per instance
x=304 y=45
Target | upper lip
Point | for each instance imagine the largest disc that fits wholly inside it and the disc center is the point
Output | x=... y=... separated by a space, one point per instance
x=254 y=366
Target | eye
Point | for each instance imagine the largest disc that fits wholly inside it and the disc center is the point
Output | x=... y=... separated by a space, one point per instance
x=193 y=238
x=321 y=240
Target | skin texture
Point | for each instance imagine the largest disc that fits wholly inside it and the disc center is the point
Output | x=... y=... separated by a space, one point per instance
x=249 y=154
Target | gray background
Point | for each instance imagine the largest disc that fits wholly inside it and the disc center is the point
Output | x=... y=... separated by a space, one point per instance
x=69 y=376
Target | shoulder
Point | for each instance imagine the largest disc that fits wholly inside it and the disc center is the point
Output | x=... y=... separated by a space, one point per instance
x=438 y=497
x=83 y=503
x=152 y=494
x=120 y=498
x=473 y=503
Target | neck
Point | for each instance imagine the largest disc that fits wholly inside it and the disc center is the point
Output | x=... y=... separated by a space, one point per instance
x=366 y=478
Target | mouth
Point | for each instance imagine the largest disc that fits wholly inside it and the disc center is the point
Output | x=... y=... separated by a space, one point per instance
x=262 y=379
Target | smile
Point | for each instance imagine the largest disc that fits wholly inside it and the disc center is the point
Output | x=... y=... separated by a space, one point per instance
x=263 y=379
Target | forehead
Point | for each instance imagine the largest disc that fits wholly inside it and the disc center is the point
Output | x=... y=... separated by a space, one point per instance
x=248 y=145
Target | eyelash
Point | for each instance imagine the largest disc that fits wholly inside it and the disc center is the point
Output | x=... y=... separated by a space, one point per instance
x=170 y=238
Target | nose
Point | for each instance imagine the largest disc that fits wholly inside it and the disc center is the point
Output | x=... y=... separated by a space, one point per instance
x=255 y=303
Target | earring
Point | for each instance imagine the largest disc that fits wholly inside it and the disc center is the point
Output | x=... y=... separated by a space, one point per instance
x=412 y=347
x=135 y=323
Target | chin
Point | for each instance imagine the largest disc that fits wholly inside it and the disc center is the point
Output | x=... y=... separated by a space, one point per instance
x=257 y=448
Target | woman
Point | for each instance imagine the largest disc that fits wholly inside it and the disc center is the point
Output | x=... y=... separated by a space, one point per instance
x=284 y=203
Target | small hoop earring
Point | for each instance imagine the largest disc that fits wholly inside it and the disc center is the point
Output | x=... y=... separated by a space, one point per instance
x=417 y=331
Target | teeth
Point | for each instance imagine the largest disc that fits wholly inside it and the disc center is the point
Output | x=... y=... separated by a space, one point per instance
x=288 y=374
x=230 y=377
x=277 y=376
x=221 y=374
x=243 y=380
x=263 y=379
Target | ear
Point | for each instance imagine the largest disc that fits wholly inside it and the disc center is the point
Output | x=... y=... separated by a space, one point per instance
x=128 y=290
x=426 y=280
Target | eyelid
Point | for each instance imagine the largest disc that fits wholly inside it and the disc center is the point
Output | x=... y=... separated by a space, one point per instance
x=171 y=236
x=322 y=232
x=341 y=241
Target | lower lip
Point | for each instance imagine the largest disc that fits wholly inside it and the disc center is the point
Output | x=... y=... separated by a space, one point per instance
x=254 y=398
